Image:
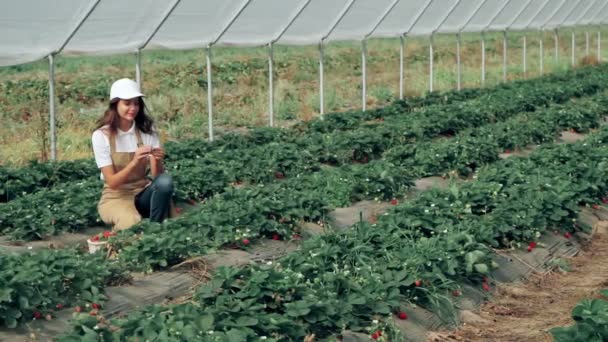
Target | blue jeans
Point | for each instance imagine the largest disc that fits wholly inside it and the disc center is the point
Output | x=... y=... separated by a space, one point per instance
x=153 y=202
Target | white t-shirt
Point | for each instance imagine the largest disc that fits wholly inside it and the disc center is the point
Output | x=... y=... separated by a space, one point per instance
x=125 y=142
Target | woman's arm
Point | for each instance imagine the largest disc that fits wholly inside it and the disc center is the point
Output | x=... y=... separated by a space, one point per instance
x=116 y=179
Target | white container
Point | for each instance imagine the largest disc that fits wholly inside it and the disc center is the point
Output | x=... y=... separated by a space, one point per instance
x=95 y=246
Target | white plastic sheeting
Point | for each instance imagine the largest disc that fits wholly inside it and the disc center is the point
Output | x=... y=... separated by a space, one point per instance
x=32 y=29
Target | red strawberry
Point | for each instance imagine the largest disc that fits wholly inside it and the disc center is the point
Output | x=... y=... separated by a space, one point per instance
x=59 y=306
x=96 y=306
x=595 y=206
x=37 y=314
x=245 y=241
x=605 y=200
x=567 y=235
x=530 y=248
x=95 y=238
x=418 y=283
x=375 y=336
x=276 y=237
x=507 y=151
x=296 y=236
x=179 y=210
x=78 y=309
x=402 y=315
x=93 y=313
x=485 y=287
x=394 y=201
x=485 y=279
x=279 y=175
x=456 y=293
x=532 y=244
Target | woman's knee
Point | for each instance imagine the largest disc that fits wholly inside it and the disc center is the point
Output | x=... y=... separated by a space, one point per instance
x=164 y=183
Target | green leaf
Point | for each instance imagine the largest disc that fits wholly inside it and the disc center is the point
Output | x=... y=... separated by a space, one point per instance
x=482 y=268
x=205 y=322
x=245 y=321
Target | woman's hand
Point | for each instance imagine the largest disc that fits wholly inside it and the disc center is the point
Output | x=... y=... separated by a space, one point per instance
x=142 y=153
x=158 y=153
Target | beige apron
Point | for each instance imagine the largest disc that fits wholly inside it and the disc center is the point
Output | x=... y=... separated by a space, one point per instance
x=117 y=206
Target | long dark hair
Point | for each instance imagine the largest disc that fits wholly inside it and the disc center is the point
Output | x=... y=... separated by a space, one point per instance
x=110 y=118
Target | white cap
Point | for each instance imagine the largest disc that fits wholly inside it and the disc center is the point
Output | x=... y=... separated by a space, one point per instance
x=125 y=89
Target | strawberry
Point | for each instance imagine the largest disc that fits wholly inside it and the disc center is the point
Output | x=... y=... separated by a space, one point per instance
x=37 y=314
x=567 y=235
x=375 y=336
x=95 y=238
x=605 y=200
x=93 y=313
x=279 y=175
x=402 y=315
x=394 y=201
x=530 y=249
x=245 y=241
x=179 y=210
x=418 y=283
x=485 y=287
x=78 y=309
x=456 y=293
x=276 y=237
x=485 y=279
x=532 y=244
x=296 y=236
x=595 y=206
x=96 y=306
x=59 y=306
x=107 y=234
x=507 y=151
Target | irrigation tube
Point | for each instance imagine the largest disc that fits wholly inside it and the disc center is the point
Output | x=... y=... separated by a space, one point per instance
x=458 y=63
x=209 y=94
x=270 y=87
x=52 y=107
x=401 y=66
x=363 y=74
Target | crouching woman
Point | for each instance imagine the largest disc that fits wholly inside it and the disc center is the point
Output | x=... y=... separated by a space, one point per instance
x=127 y=151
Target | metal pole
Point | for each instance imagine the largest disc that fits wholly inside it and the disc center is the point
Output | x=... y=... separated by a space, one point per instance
x=52 y=107
x=458 y=65
x=209 y=94
x=431 y=58
x=321 y=81
x=138 y=67
x=504 y=56
x=573 y=49
x=483 y=59
x=586 y=43
x=599 y=46
x=270 y=86
x=525 y=58
x=363 y=74
x=542 y=50
x=401 y=66
x=556 y=41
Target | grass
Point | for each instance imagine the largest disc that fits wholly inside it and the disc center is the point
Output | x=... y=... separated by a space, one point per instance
x=176 y=89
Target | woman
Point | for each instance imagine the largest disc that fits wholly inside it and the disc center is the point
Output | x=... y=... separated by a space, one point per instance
x=127 y=149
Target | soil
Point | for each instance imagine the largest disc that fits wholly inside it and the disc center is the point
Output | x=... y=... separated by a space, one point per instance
x=526 y=311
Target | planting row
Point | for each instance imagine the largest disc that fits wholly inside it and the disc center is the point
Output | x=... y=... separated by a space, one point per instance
x=51 y=210
x=357 y=279
x=237 y=217
x=591 y=322
x=444 y=119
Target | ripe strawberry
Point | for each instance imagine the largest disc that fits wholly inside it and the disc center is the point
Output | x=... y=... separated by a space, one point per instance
x=78 y=309
x=37 y=314
x=595 y=206
x=95 y=238
x=59 y=306
x=296 y=236
x=402 y=315
x=96 y=306
x=567 y=235
x=485 y=287
x=530 y=249
x=179 y=210
x=418 y=283
x=485 y=279
x=245 y=241
x=279 y=175
x=276 y=237
x=394 y=201
x=107 y=234
x=375 y=336
x=507 y=151
x=605 y=200
x=532 y=244
x=456 y=293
